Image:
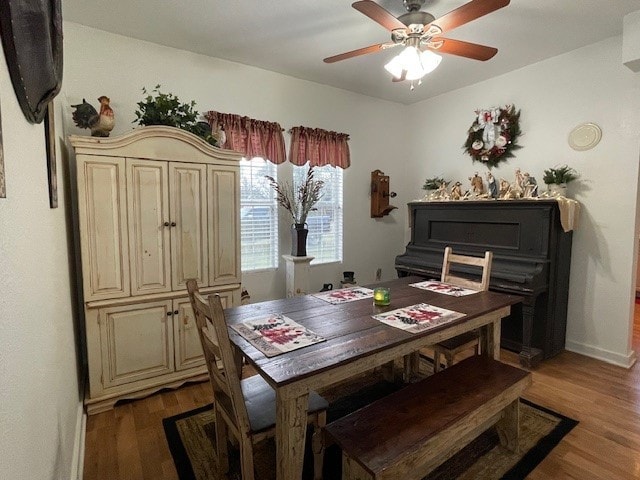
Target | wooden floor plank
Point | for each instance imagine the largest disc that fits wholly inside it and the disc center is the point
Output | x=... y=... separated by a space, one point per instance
x=129 y=442
x=128 y=453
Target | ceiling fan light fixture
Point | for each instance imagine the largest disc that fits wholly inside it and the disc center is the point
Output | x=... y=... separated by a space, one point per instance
x=415 y=63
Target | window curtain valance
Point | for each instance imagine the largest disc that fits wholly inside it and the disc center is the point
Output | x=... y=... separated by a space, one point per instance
x=319 y=147
x=252 y=138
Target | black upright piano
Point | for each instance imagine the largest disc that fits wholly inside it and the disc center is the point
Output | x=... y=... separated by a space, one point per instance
x=531 y=258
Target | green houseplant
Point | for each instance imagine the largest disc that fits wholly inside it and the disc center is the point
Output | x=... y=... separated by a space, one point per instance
x=298 y=200
x=434 y=187
x=559 y=175
x=433 y=183
x=159 y=108
x=557 y=179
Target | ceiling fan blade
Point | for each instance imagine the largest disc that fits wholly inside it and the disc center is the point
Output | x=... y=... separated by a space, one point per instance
x=462 y=49
x=360 y=51
x=378 y=14
x=466 y=13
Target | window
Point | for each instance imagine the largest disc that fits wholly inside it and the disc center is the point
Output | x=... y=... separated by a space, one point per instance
x=324 y=241
x=258 y=215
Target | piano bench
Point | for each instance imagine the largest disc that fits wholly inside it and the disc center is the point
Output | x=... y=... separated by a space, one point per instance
x=453 y=346
x=409 y=433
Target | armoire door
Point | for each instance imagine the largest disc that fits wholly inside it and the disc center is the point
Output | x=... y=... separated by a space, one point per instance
x=188 y=209
x=149 y=226
x=224 y=225
x=136 y=342
x=102 y=209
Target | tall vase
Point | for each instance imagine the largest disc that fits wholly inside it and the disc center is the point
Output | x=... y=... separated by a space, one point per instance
x=299 y=240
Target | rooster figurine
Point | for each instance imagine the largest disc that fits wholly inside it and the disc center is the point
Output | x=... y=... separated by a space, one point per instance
x=100 y=124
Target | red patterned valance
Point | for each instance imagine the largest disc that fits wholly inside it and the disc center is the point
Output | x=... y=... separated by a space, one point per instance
x=252 y=138
x=319 y=147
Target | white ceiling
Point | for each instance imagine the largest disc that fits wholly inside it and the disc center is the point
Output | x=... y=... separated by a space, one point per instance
x=293 y=36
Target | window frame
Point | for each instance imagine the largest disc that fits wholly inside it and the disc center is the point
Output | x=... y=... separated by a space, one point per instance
x=332 y=208
x=250 y=205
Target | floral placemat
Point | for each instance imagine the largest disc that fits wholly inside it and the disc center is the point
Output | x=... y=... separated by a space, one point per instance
x=445 y=288
x=418 y=318
x=344 y=295
x=276 y=334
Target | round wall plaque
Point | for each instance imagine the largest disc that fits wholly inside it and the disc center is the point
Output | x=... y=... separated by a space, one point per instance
x=585 y=136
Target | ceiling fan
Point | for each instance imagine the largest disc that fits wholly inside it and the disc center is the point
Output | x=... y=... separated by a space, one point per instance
x=421 y=31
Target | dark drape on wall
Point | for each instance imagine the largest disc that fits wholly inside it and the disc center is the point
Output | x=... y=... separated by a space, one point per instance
x=31 y=33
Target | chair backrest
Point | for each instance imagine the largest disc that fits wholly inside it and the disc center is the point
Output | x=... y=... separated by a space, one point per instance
x=483 y=262
x=216 y=345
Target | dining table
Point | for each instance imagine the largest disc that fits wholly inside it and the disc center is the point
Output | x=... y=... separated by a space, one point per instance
x=354 y=343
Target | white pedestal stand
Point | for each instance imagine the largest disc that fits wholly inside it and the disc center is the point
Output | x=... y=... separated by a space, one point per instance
x=298 y=271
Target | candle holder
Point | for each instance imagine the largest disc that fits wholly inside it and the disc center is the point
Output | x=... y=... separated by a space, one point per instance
x=381 y=296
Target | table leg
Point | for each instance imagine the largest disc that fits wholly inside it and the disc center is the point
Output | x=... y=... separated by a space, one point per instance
x=291 y=429
x=495 y=327
x=490 y=339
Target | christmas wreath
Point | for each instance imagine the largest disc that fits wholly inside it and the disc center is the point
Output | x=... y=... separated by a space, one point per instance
x=493 y=135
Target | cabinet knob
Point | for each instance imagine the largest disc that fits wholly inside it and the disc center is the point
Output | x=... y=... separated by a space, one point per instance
x=173 y=224
x=176 y=312
x=169 y=313
x=166 y=224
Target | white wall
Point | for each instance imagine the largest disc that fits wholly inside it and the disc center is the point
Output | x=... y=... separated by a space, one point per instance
x=589 y=84
x=39 y=400
x=40 y=407
x=586 y=85
x=98 y=63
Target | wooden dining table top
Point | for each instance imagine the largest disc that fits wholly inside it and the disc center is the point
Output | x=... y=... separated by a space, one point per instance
x=349 y=329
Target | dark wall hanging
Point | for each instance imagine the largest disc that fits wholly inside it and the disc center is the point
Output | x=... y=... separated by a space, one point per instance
x=50 y=141
x=31 y=32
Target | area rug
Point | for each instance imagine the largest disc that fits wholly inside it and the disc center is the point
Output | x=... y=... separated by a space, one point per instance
x=191 y=438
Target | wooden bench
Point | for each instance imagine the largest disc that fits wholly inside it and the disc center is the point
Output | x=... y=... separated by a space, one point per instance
x=410 y=432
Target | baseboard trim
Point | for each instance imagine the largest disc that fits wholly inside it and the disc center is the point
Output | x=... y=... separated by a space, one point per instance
x=77 y=462
x=626 y=361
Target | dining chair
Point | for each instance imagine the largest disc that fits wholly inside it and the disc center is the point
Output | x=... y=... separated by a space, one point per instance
x=453 y=346
x=245 y=408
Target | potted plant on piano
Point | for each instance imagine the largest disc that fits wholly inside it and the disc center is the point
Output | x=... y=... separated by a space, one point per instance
x=557 y=179
x=432 y=185
x=298 y=200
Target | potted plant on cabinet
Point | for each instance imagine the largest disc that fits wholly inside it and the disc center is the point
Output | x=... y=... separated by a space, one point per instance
x=557 y=178
x=298 y=200
x=166 y=109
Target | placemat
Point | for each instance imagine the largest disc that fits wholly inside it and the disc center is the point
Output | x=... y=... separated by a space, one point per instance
x=345 y=295
x=418 y=318
x=445 y=288
x=276 y=334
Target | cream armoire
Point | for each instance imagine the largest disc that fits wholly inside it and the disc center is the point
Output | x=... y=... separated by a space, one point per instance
x=156 y=207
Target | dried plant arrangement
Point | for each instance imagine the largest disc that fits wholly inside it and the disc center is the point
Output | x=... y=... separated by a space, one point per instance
x=298 y=200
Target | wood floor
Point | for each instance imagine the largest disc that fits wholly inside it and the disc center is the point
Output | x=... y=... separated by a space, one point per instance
x=129 y=443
